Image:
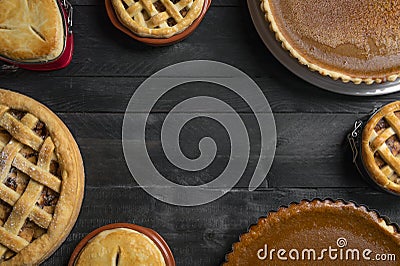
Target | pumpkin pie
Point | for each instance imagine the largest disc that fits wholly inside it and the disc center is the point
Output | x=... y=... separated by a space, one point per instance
x=318 y=233
x=348 y=40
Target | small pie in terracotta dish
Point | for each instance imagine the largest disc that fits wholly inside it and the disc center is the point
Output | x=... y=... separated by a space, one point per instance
x=122 y=244
x=41 y=180
x=318 y=233
x=345 y=40
x=157 y=18
x=31 y=31
x=381 y=147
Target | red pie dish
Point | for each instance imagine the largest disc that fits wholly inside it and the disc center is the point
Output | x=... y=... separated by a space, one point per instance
x=36 y=35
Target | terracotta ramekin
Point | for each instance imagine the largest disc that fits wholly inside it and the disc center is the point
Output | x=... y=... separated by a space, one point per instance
x=153 y=235
x=157 y=41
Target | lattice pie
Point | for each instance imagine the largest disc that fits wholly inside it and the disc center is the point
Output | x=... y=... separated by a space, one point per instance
x=157 y=18
x=41 y=180
x=381 y=147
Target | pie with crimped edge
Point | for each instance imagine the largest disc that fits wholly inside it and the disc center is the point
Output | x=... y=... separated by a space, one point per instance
x=381 y=147
x=317 y=225
x=348 y=40
x=31 y=31
x=41 y=180
x=157 y=18
x=121 y=246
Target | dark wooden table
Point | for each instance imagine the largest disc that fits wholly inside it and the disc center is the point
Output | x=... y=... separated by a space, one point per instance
x=91 y=96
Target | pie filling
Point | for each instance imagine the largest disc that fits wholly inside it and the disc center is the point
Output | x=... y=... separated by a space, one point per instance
x=353 y=39
x=157 y=18
x=161 y=8
x=17 y=179
x=316 y=226
x=393 y=144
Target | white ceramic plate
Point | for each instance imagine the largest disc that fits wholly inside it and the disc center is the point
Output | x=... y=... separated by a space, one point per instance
x=303 y=72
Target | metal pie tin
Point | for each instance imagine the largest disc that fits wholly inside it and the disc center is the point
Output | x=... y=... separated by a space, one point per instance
x=354 y=139
x=380 y=218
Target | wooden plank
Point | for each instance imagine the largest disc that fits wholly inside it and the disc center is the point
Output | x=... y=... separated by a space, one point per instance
x=102 y=50
x=201 y=235
x=303 y=156
x=112 y=94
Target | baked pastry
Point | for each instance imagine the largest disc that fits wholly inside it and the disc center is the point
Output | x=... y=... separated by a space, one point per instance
x=341 y=39
x=157 y=18
x=31 y=31
x=313 y=233
x=41 y=180
x=381 y=147
x=121 y=246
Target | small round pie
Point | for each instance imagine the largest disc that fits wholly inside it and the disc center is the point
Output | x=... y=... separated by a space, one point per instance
x=41 y=180
x=381 y=147
x=350 y=40
x=121 y=246
x=317 y=233
x=157 y=18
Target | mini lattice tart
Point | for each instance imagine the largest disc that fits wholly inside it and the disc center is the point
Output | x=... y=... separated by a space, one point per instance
x=381 y=147
x=351 y=40
x=157 y=18
x=41 y=180
x=320 y=232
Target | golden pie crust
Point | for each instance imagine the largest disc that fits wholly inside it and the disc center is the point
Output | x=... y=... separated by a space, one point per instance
x=157 y=18
x=41 y=180
x=31 y=31
x=120 y=246
x=316 y=225
x=381 y=147
x=345 y=40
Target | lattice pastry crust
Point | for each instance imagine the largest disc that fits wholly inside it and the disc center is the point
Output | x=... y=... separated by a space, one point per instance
x=41 y=180
x=381 y=147
x=157 y=18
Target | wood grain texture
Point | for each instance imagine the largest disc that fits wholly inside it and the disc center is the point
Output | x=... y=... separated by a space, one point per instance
x=202 y=235
x=311 y=151
x=91 y=96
